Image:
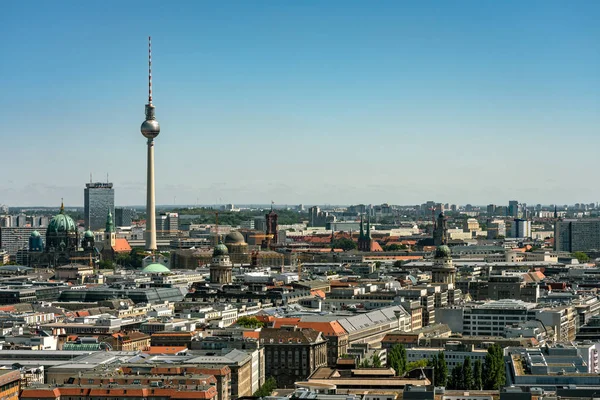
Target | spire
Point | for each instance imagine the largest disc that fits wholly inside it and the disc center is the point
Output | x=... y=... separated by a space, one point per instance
x=362 y=231
x=149 y=70
x=110 y=227
x=62 y=206
x=555 y=212
x=369 y=227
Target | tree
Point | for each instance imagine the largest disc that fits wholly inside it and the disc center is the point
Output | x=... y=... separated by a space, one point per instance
x=395 y=247
x=441 y=370
x=456 y=379
x=266 y=388
x=397 y=359
x=417 y=364
x=344 y=244
x=106 y=264
x=376 y=361
x=493 y=369
x=467 y=372
x=397 y=264
x=581 y=256
x=249 y=322
x=478 y=375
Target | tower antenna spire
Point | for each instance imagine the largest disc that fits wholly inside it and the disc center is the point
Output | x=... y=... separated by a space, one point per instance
x=149 y=69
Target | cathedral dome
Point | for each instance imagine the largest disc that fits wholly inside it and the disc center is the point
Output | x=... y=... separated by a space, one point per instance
x=234 y=238
x=443 y=251
x=61 y=223
x=155 y=268
x=220 y=250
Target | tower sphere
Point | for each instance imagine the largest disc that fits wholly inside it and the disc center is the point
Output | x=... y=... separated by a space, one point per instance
x=150 y=128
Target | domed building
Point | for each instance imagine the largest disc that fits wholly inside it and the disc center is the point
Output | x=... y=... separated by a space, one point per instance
x=220 y=266
x=155 y=268
x=62 y=244
x=443 y=270
x=36 y=244
x=61 y=234
x=237 y=247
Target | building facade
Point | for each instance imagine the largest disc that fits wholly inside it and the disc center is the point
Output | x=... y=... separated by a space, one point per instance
x=98 y=200
x=292 y=354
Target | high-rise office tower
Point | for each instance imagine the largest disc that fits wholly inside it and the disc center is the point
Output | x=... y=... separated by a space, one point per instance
x=167 y=224
x=577 y=235
x=124 y=216
x=98 y=200
x=150 y=129
x=513 y=209
x=520 y=228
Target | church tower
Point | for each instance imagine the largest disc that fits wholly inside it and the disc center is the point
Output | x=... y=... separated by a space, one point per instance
x=221 y=267
x=443 y=270
x=110 y=237
x=440 y=230
x=365 y=240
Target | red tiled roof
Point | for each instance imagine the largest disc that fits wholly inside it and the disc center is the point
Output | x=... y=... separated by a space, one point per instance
x=40 y=393
x=121 y=246
x=82 y=313
x=251 y=334
x=332 y=328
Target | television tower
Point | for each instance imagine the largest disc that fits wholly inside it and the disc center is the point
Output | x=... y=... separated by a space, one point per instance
x=150 y=129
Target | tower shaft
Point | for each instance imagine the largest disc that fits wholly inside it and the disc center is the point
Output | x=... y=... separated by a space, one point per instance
x=150 y=201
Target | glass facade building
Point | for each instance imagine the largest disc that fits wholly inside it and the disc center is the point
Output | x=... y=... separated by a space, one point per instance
x=99 y=198
x=124 y=216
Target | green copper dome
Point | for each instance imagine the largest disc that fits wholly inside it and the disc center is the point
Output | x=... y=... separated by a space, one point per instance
x=443 y=251
x=35 y=234
x=155 y=268
x=220 y=250
x=88 y=234
x=61 y=223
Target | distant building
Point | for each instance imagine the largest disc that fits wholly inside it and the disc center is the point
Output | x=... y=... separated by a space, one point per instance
x=13 y=239
x=99 y=199
x=167 y=224
x=316 y=217
x=520 y=228
x=513 y=209
x=124 y=216
x=577 y=235
x=496 y=228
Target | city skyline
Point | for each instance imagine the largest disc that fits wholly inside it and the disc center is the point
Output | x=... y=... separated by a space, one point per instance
x=337 y=103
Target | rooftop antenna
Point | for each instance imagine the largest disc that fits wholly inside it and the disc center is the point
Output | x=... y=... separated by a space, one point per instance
x=149 y=70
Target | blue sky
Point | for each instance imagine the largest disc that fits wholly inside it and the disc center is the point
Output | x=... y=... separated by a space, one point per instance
x=303 y=102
